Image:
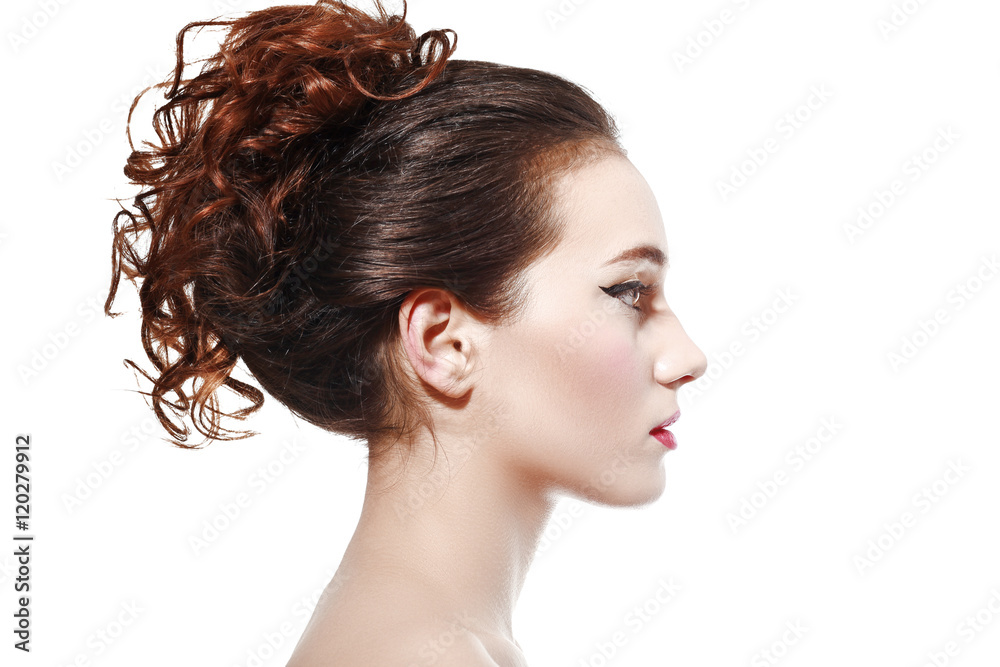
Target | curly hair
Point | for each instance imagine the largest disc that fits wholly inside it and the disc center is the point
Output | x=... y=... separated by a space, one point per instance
x=321 y=165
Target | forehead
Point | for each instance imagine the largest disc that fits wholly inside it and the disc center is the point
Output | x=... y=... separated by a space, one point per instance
x=606 y=207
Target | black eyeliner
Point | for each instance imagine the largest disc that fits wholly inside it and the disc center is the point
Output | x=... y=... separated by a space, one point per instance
x=636 y=285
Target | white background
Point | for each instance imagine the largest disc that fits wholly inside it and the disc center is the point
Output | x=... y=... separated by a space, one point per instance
x=69 y=75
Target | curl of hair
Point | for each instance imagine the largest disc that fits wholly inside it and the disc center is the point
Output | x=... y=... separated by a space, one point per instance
x=320 y=166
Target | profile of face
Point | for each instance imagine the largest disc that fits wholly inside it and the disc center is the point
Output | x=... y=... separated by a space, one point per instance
x=574 y=386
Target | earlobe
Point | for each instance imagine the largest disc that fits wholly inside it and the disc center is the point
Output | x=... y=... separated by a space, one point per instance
x=432 y=325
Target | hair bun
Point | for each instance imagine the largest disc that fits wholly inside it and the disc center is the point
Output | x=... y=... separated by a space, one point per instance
x=321 y=59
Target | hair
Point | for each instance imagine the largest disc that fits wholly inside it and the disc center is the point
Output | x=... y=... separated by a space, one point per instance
x=323 y=164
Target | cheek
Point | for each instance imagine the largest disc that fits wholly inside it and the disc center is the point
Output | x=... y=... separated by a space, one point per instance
x=606 y=374
x=560 y=392
x=619 y=361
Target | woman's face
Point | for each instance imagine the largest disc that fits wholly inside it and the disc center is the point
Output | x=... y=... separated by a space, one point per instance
x=583 y=376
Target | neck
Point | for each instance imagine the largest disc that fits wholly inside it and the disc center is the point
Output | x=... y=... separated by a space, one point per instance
x=463 y=528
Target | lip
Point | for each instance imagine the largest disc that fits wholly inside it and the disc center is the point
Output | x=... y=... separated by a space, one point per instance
x=663 y=435
x=674 y=417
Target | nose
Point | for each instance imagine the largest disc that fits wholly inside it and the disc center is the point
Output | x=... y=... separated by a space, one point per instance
x=679 y=360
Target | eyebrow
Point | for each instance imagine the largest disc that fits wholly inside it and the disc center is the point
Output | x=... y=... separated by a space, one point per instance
x=643 y=252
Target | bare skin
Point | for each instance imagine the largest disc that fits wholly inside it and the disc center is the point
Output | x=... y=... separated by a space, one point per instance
x=522 y=412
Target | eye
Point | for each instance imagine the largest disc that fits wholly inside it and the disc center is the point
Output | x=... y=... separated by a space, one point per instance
x=632 y=290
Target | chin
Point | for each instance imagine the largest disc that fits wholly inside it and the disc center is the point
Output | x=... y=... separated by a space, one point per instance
x=635 y=489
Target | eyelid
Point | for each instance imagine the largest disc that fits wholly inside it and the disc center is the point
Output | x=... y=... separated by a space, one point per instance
x=633 y=285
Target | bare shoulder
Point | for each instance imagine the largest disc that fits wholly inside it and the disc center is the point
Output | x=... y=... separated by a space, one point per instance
x=416 y=644
x=466 y=651
x=391 y=622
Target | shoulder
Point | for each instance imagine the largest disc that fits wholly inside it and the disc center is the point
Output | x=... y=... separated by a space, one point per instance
x=465 y=650
x=413 y=644
x=392 y=623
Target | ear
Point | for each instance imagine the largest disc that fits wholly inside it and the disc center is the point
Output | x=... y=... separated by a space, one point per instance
x=437 y=334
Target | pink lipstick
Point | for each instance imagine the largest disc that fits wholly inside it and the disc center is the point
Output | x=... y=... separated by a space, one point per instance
x=663 y=435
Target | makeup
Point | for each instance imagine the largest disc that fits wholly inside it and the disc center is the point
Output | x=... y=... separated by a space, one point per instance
x=666 y=437
x=663 y=435
x=634 y=290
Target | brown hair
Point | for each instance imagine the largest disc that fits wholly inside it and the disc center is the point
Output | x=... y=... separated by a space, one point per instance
x=323 y=164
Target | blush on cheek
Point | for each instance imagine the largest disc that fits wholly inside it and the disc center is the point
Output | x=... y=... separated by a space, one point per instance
x=621 y=366
x=619 y=359
x=606 y=369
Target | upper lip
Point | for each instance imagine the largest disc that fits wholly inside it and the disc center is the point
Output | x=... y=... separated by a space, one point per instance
x=674 y=417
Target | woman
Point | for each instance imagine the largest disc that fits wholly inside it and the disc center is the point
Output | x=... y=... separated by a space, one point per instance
x=451 y=261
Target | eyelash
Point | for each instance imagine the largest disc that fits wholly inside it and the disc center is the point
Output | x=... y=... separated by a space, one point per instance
x=631 y=286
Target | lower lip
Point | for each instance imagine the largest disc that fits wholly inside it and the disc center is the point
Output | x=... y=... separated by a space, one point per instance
x=665 y=437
